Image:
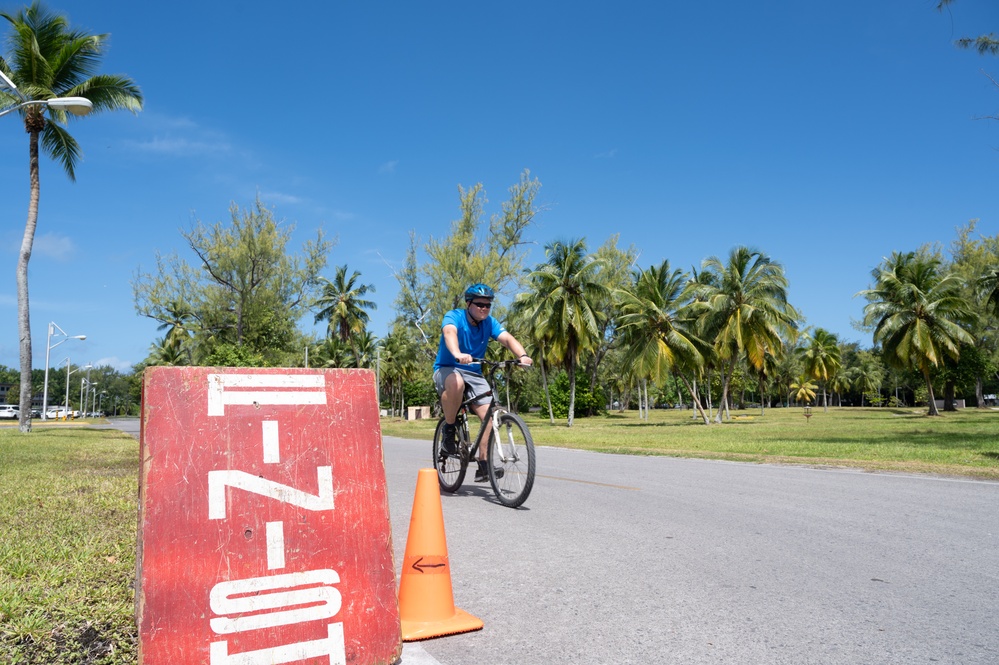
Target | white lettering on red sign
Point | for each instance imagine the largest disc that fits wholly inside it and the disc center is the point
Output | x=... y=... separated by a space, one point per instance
x=272 y=450
x=332 y=646
x=273 y=593
x=282 y=599
x=219 y=480
x=275 y=545
x=243 y=389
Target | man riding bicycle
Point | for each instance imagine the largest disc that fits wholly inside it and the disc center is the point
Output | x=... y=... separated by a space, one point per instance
x=465 y=334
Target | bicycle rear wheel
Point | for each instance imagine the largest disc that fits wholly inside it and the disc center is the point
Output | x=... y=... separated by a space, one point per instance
x=513 y=455
x=450 y=468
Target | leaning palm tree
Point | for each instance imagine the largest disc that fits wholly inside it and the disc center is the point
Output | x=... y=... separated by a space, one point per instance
x=47 y=59
x=342 y=305
x=917 y=313
x=657 y=329
x=744 y=309
x=562 y=300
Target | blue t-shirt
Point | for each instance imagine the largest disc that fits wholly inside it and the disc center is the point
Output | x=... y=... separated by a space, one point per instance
x=471 y=339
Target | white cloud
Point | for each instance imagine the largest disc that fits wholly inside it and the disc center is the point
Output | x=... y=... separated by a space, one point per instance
x=607 y=154
x=389 y=166
x=114 y=361
x=179 y=147
x=277 y=197
x=53 y=245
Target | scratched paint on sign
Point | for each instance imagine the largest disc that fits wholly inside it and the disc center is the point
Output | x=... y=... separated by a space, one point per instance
x=264 y=533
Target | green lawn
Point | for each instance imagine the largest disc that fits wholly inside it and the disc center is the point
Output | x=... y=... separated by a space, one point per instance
x=961 y=443
x=68 y=500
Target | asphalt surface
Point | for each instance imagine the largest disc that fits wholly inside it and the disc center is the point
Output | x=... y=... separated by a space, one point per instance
x=621 y=559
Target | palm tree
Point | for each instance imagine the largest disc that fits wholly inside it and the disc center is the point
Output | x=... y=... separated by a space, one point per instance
x=867 y=375
x=988 y=286
x=342 y=305
x=563 y=296
x=744 y=309
x=804 y=390
x=46 y=59
x=916 y=312
x=657 y=328
x=821 y=358
x=178 y=316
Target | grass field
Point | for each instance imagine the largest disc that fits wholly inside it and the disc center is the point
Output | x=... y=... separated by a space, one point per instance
x=964 y=443
x=68 y=500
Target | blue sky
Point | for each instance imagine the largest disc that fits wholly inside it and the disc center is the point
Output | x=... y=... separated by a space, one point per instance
x=825 y=134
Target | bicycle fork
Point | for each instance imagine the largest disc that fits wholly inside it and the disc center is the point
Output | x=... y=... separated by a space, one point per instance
x=500 y=444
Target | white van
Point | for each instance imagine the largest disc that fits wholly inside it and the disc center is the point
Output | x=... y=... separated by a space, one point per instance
x=9 y=412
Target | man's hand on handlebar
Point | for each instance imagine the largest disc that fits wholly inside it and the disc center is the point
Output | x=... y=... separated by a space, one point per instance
x=525 y=360
x=464 y=359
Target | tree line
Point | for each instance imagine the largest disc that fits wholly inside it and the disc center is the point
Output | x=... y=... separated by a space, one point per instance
x=602 y=328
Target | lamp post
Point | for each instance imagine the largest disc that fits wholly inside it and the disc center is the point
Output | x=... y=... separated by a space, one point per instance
x=48 y=347
x=68 y=372
x=74 y=105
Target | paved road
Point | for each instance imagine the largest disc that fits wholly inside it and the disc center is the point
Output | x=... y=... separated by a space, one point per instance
x=620 y=559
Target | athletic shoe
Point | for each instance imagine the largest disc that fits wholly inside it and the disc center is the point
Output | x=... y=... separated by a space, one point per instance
x=448 y=444
x=482 y=473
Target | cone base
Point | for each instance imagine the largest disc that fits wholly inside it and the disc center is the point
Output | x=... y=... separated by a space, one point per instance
x=461 y=622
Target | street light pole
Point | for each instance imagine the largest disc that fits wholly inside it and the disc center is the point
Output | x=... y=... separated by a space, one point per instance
x=75 y=105
x=68 y=372
x=48 y=347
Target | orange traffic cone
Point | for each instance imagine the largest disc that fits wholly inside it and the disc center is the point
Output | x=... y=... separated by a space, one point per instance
x=426 y=602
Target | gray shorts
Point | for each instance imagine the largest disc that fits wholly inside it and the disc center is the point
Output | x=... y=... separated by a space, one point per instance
x=475 y=384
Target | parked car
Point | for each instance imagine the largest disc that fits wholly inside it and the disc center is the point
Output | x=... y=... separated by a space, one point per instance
x=56 y=412
x=9 y=412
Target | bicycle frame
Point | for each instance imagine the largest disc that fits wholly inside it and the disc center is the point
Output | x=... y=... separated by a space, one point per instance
x=494 y=411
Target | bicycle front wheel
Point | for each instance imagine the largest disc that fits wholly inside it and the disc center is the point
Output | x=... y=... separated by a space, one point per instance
x=450 y=468
x=511 y=461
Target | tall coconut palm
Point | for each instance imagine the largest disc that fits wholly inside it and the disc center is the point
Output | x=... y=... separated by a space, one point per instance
x=563 y=294
x=916 y=311
x=821 y=359
x=44 y=59
x=342 y=305
x=744 y=310
x=657 y=327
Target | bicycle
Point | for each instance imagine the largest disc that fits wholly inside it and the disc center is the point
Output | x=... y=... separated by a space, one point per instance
x=510 y=453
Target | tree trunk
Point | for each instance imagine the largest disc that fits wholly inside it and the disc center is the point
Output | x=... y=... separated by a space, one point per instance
x=697 y=402
x=23 y=318
x=949 y=395
x=726 y=378
x=979 y=393
x=929 y=392
x=548 y=395
x=572 y=390
x=762 y=399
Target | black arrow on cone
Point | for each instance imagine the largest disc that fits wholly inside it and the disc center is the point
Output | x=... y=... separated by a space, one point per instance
x=417 y=566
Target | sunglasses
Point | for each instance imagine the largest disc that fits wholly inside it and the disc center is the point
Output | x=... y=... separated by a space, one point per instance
x=482 y=305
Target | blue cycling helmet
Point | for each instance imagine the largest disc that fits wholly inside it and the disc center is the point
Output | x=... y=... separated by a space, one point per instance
x=479 y=291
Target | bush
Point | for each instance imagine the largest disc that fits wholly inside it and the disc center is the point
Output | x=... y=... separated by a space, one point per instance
x=586 y=402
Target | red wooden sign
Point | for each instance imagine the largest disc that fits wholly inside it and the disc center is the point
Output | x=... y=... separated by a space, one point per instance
x=263 y=528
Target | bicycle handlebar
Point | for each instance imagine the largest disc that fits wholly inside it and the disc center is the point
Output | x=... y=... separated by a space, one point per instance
x=501 y=363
